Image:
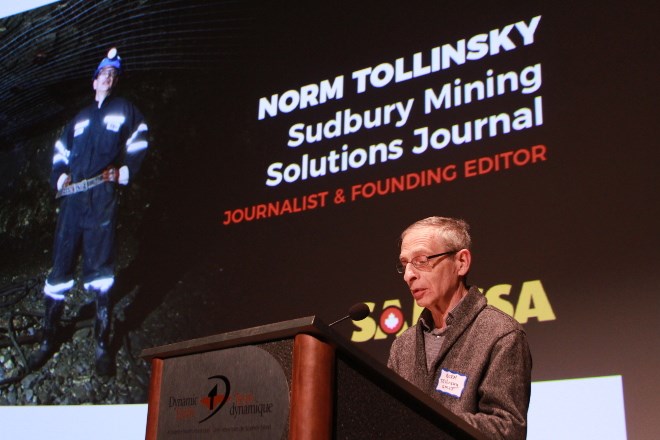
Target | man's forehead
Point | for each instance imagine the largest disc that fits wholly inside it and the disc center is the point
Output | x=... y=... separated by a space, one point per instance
x=420 y=238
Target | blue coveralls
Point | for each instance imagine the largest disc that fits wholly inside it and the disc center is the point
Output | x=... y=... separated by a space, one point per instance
x=97 y=138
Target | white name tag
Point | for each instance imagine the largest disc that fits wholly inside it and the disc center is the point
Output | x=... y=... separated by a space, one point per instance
x=451 y=383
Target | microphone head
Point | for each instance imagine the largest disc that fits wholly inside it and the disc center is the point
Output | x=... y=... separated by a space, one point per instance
x=358 y=311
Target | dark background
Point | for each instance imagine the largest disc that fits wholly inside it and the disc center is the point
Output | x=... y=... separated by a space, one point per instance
x=583 y=222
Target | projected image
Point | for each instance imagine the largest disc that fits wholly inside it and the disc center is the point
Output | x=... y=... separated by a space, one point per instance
x=255 y=162
x=83 y=289
x=104 y=145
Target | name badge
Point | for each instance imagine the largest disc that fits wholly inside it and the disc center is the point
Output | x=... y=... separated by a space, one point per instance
x=451 y=383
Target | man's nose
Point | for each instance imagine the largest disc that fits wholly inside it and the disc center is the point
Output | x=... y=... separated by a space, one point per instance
x=410 y=273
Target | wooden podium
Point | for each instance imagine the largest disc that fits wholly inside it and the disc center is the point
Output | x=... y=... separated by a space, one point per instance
x=297 y=379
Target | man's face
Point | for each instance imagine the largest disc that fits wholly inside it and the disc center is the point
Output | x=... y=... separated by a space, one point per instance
x=432 y=286
x=106 y=79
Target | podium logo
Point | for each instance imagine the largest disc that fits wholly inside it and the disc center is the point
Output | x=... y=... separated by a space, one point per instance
x=186 y=408
x=532 y=302
x=214 y=401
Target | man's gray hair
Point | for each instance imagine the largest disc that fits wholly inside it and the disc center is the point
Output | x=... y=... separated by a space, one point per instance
x=454 y=232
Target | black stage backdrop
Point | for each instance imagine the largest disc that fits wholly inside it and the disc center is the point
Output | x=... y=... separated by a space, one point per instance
x=291 y=143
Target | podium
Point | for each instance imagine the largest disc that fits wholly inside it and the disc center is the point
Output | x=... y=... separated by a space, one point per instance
x=297 y=379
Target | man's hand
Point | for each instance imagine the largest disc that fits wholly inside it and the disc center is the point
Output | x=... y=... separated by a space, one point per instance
x=63 y=180
x=123 y=175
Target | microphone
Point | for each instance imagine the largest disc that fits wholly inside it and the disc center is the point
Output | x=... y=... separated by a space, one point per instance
x=357 y=312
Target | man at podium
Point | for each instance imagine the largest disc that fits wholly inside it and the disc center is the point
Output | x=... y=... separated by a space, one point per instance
x=470 y=357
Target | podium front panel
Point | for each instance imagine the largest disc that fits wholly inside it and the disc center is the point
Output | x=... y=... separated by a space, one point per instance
x=233 y=393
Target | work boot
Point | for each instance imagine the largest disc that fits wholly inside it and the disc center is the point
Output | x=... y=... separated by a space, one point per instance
x=103 y=360
x=49 y=341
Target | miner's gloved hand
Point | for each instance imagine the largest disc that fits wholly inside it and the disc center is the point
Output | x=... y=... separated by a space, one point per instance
x=123 y=175
x=63 y=180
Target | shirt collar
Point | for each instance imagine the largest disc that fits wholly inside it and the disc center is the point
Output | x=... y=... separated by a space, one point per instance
x=426 y=319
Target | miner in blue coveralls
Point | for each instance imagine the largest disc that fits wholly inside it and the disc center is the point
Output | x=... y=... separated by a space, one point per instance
x=101 y=148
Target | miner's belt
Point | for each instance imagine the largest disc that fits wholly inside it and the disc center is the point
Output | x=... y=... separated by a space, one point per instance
x=81 y=186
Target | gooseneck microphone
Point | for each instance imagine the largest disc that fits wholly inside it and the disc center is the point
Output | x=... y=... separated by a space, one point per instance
x=357 y=312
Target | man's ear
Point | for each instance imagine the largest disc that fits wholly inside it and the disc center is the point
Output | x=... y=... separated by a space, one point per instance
x=463 y=261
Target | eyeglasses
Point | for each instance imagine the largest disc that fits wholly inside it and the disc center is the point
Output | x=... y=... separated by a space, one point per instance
x=419 y=262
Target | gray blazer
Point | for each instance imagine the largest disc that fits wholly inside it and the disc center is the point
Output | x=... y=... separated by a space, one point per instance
x=482 y=372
